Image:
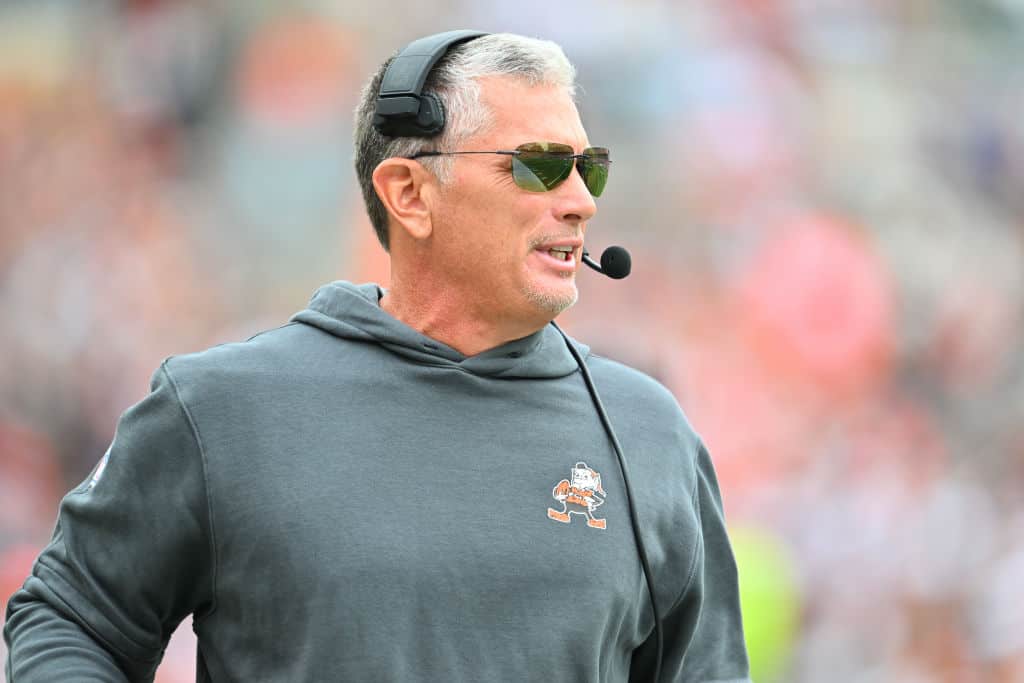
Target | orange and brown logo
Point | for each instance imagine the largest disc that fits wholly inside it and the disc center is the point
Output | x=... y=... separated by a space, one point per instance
x=581 y=495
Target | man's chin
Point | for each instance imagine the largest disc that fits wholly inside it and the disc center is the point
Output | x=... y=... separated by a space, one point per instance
x=553 y=301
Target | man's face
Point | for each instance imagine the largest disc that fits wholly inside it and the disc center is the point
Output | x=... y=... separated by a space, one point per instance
x=493 y=237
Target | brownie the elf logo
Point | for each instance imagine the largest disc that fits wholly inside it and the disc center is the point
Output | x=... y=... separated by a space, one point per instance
x=581 y=495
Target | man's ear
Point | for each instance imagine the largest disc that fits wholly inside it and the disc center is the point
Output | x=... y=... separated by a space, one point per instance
x=404 y=186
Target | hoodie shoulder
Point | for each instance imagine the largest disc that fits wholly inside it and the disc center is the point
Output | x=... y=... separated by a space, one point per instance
x=629 y=379
x=638 y=390
x=234 y=367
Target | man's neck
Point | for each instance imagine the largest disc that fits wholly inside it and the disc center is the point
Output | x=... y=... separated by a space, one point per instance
x=446 y=319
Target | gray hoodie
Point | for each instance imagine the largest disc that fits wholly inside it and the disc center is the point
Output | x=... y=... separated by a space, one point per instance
x=345 y=499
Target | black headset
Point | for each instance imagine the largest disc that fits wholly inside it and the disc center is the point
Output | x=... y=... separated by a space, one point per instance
x=404 y=111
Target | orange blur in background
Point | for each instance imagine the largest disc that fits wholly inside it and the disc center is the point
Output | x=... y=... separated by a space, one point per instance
x=825 y=206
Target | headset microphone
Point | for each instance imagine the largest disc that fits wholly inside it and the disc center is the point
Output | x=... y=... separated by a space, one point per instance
x=615 y=262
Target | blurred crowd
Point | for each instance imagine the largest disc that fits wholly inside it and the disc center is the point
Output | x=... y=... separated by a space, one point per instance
x=824 y=200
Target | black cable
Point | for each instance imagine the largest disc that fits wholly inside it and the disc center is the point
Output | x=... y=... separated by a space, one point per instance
x=641 y=550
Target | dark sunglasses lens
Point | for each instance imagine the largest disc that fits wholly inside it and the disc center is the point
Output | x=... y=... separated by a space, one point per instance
x=540 y=166
x=594 y=169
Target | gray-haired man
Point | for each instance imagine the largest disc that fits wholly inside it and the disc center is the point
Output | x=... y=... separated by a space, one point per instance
x=411 y=484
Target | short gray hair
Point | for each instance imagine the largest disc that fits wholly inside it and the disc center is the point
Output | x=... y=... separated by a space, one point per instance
x=454 y=80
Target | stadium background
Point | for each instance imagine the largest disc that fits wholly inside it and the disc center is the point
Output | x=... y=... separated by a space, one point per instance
x=824 y=200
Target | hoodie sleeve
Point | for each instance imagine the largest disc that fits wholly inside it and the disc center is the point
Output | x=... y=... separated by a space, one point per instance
x=130 y=557
x=704 y=630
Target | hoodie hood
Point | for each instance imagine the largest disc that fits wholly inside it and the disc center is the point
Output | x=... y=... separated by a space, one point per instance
x=353 y=312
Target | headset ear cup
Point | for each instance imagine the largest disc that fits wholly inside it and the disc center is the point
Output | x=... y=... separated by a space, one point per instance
x=403 y=110
x=431 y=117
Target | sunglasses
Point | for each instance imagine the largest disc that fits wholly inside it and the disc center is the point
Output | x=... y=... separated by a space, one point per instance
x=543 y=166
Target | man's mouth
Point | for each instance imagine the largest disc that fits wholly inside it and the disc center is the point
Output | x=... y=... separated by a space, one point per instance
x=561 y=253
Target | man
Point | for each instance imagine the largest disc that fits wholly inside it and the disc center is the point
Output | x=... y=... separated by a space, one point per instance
x=366 y=493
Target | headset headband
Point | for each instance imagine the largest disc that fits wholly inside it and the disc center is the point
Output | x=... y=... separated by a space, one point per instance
x=402 y=108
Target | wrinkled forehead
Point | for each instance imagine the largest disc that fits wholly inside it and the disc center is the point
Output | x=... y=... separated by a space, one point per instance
x=523 y=112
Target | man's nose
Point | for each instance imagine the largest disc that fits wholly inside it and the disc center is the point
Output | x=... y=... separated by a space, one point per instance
x=575 y=204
